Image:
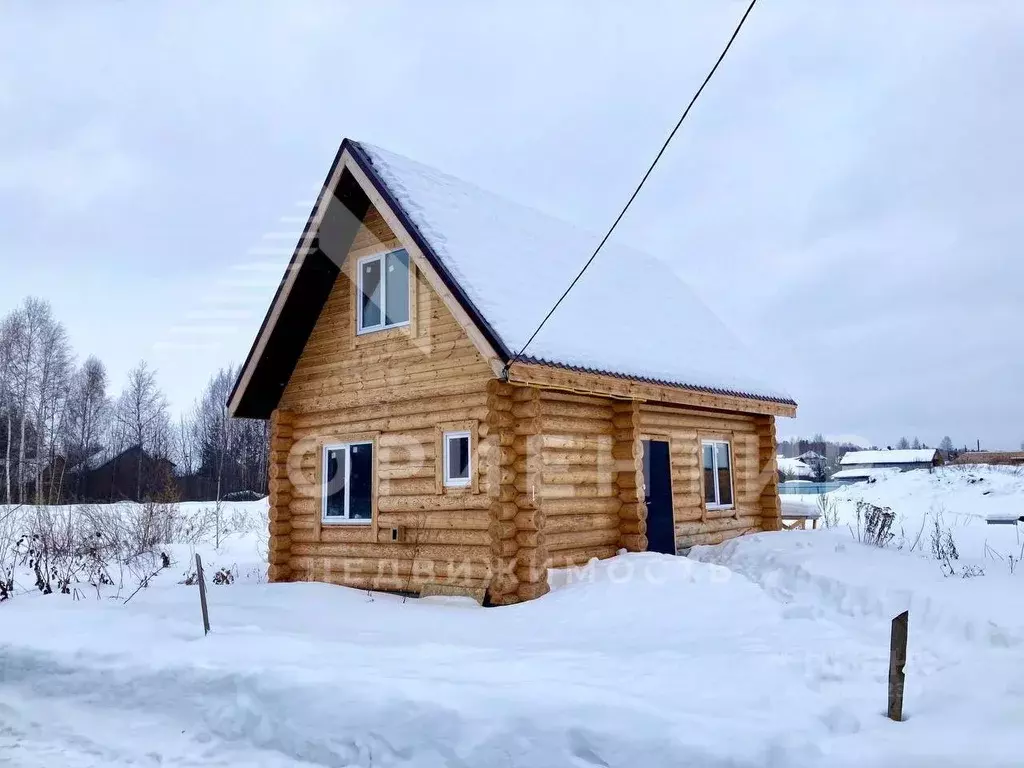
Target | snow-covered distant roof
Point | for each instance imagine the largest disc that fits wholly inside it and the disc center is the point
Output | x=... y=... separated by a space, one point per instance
x=629 y=314
x=862 y=473
x=794 y=467
x=905 y=456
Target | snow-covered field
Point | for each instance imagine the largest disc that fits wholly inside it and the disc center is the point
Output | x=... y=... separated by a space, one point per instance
x=771 y=650
x=962 y=499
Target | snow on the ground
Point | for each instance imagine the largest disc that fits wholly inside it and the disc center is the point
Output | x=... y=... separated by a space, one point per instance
x=231 y=538
x=770 y=650
x=962 y=498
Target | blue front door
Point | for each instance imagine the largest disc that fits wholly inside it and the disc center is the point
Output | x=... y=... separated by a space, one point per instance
x=658 y=497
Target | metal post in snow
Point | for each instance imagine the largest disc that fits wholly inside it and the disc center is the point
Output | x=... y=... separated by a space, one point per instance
x=202 y=594
x=897 y=662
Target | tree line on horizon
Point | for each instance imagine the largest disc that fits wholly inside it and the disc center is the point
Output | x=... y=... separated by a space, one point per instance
x=66 y=437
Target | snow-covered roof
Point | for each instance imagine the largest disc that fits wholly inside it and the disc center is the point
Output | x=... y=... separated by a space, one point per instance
x=905 y=456
x=629 y=314
x=794 y=467
x=860 y=474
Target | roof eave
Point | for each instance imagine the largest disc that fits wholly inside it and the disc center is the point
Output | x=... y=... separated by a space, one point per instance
x=557 y=376
x=301 y=246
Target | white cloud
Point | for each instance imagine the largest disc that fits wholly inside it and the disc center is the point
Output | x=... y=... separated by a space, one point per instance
x=73 y=174
x=845 y=195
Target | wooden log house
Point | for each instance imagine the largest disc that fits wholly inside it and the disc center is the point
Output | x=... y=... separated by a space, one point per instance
x=411 y=448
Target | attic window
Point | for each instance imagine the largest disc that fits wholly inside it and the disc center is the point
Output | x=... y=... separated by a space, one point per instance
x=383 y=291
x=717 y=474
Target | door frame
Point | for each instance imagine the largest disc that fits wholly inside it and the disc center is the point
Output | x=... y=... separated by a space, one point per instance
x=663 y=437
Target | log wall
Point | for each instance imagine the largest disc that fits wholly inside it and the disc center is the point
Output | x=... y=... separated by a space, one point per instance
x=754 y=477
x=279 y=501
x=557 y=475
x=576 y=486
x=498 y=457
x=399 y=388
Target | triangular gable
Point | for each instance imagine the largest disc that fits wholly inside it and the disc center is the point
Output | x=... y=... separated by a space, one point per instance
x=629 y=315
x=351 y=188
x=494 y=264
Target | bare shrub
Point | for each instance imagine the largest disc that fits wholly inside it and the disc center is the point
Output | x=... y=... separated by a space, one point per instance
x=147 y=525
x=944 y=549
x=107 y=544
x=217 y=522
x=60 y=550
x=943 y=546
x=874 y=524
x=828 y=508
x=92 y=544
x=222 y=576
x=9 y=526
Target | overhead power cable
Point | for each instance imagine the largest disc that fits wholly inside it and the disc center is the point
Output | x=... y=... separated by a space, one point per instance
x=636 y=191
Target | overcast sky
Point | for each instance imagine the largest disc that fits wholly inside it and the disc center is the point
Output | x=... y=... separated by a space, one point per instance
x=847 y=195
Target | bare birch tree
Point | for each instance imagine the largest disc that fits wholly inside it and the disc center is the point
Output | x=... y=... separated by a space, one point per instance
x=55 y=367
x=185 y=445
x=142 y=415
x=36 y=320
x=10 y=332
x=88 y=409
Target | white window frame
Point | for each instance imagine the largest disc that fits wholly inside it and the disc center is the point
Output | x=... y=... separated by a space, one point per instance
x=346 y=519
x=714 y=463
x=457 y=482
x=382 y=326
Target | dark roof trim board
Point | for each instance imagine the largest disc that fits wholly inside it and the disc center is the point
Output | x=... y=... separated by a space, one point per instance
x=421 y=242
x=310 y=276
x=238 y=402
x=658 y=382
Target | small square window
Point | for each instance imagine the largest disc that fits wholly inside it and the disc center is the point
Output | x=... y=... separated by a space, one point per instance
x=457 y=459
x=717 y=466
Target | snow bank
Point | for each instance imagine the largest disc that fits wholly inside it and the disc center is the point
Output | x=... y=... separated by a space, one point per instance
x=634 y=661
x=768 y=650
x=962 y=498
x=829 y=573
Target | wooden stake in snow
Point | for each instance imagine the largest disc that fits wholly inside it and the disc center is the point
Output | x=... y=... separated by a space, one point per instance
x=202 y=595
x=897 y=661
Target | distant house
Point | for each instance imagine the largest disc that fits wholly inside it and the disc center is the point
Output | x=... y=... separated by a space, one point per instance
x=132 y=474
x=813 y=459
x=903 y=460
x=414 y=447
x=795 y=468
x=1008 y=458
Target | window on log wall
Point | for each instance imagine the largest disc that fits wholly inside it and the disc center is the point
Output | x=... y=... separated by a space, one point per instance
x=717 y=474
x=348 y=483
x=457 y=459
x=383 y=291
